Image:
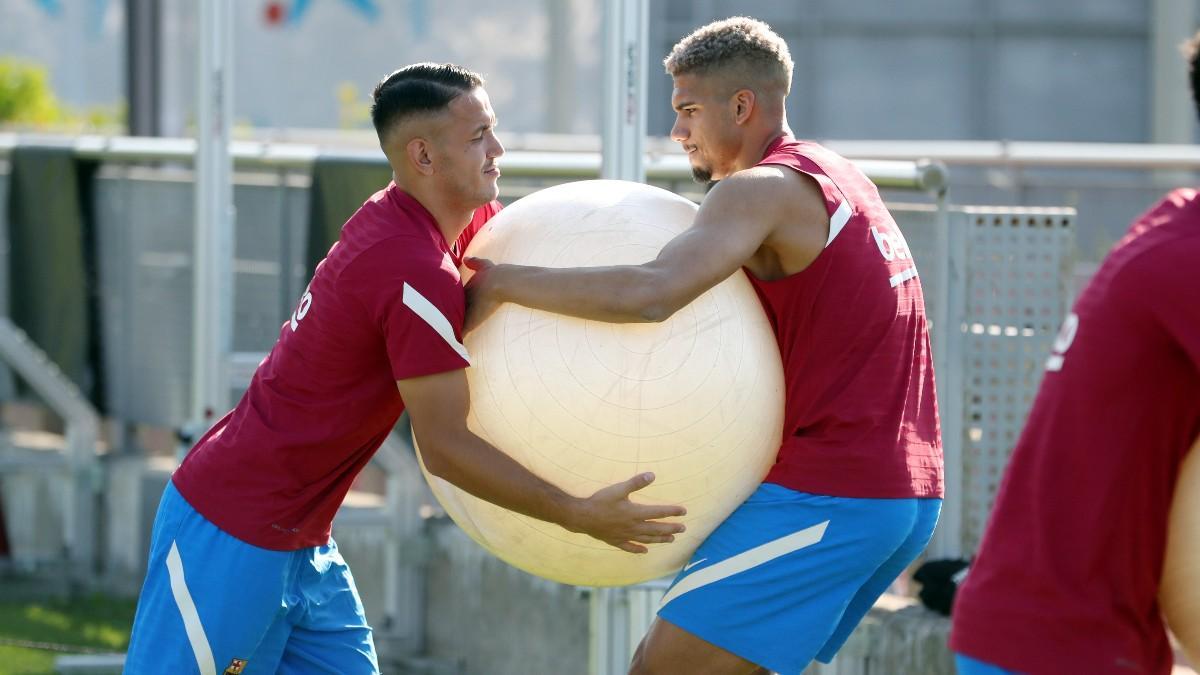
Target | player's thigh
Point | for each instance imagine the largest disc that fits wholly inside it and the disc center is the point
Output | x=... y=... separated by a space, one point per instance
x=918 y=536
x=771 y=583
x=331 y=635
x=208 y=598
x=350 y=651
x=668 y=649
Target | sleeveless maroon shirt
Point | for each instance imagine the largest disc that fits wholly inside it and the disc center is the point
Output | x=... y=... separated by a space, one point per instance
x=860 y=416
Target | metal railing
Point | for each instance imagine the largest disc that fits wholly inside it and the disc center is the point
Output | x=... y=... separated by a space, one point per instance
x=82 y=427
x=891 y=163
x=923 y=175
x=1030 y=153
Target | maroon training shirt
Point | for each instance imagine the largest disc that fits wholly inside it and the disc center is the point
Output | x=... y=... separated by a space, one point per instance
x=1067 y=575
x=386 y=304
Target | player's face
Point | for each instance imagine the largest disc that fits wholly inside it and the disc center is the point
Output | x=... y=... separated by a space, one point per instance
x=703 y=126
x=469 y=149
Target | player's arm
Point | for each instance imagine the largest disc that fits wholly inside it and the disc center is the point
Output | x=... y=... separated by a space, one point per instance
x=736 y=218
x=1178 y=593
x=438 y=405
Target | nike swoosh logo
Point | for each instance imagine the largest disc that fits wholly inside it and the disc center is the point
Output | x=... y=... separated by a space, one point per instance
x=693 y=564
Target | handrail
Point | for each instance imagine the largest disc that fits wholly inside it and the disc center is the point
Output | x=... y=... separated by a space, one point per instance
x=1031 y=153
x=83 y=430
x=923 y=175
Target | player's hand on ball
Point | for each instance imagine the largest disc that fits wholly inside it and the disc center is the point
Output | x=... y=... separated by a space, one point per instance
x=481 y=297
x=610 y=516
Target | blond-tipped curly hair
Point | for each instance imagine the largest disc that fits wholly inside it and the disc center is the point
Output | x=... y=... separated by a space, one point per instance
x=738 y=46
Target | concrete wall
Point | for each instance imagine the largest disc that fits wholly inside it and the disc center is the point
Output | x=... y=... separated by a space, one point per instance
x=492 y=619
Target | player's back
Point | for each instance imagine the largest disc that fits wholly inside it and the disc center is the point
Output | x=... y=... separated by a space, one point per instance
x=860 y=413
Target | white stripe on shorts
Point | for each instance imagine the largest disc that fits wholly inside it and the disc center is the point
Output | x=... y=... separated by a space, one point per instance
x=191 y=618
x=746 y=560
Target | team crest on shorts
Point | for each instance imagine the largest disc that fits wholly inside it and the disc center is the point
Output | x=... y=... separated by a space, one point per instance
x=236 y=667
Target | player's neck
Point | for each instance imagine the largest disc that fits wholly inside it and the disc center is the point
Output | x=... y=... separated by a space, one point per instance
x=754 y=146
x=453 y=226
x=450 y=215
x=451 y=219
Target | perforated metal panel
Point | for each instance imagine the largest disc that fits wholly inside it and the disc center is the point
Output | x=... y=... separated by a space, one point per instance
x=1017 y=274
x=996 y=283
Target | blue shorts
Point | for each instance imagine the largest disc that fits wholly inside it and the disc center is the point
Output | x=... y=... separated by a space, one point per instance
x=213 y=604
x=966 y=665
x=788 y=575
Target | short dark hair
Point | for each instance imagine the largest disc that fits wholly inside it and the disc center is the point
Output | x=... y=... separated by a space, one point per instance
x=1191 y=51
x=738 y=43
x=419 y=88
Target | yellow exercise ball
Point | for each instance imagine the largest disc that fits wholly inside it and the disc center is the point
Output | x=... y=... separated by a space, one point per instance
x=696 y=399
x=1179 y=593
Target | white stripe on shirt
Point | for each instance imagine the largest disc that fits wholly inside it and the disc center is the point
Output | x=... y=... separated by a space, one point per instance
x=431 y=315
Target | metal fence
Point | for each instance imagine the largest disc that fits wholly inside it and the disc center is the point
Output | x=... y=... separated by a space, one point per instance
x=1108 y=184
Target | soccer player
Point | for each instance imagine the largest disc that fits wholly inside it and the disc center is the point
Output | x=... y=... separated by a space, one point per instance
x=243 y=575
x=856 y=489
x=1067 y=576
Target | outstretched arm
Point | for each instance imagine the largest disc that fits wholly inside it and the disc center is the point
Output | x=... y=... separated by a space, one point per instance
x=737 y=217
x=438 y=405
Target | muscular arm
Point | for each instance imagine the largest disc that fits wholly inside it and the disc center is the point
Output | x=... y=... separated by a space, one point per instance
x=737 y=217
x=438 y=406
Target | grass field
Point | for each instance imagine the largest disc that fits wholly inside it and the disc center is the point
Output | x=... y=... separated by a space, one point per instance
x=97 y=623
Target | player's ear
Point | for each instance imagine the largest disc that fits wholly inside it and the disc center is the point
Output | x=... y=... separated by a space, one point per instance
x=743 y=104
x=419 y=153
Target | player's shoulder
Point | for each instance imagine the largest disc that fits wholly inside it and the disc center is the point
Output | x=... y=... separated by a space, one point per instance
x=769 y=189
x=1182 y=197
x=1161 y=248
x=1169 y=229
x=392 y=269
x=764 y=181
x=399 y=253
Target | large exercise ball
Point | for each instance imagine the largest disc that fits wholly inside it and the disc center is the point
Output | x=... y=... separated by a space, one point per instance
x=697 y=399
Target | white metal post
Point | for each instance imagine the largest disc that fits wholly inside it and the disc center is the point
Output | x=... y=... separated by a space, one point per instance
x=949 y=360
x=212 y=290
x=624 y=111
x=1172 y=115
x=623 y=121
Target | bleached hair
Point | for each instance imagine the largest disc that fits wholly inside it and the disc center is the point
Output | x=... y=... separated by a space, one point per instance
x=738 y=46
